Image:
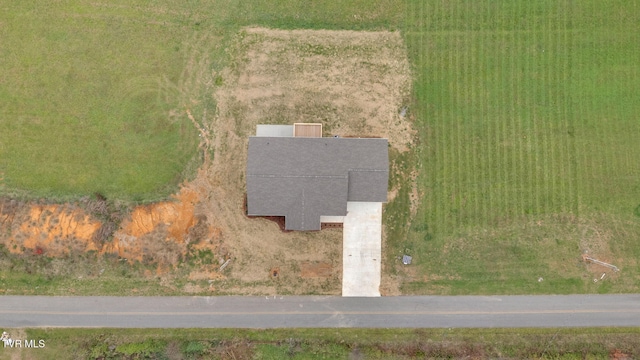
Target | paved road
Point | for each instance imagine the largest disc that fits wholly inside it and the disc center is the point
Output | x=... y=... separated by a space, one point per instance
x=319 y=311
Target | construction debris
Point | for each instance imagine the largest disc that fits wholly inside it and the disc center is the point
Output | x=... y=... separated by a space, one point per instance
x=226 y=263
x=587 y=258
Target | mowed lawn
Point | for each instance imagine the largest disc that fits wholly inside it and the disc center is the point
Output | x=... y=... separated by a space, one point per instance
x=530 y=147
x=86 y=93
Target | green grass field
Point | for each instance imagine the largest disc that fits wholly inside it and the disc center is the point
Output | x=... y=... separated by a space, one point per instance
x=526 y=112
x=86 y=95
x=587 y=343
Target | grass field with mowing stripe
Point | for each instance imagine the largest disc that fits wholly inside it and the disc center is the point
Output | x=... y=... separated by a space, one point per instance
x=527 y=113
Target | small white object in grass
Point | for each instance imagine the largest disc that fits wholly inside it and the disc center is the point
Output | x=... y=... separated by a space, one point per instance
x=602 y=277
x=595 y=280
x=540 y=279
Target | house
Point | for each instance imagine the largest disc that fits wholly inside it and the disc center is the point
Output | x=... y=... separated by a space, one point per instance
x=293 y=171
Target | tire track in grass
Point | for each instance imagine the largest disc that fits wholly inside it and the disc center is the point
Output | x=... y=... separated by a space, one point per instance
x=600 y=157
x=479 y=146
x=529 y=120
x=431 y=117
x=513 y=115
x=452 y=164
x=524 y=114
x=547 y=119
x=441 y=165
x=502 y=207
x=560 y=103
x=496 y=145
x=535 y=118
x=577 y=103
x=425 y=159
x=435 y=115
x=498 y=148
x=447 y=143
x=477 y=126
x=446 y=160
x=475 y=162
x=552 y=103
x=582 y=169
x=464 y=69
x=526 y=150
x=483 y=152
x=514 y=120
x=594 y=159
x=493 y=153
x=555 y=98
x=460 y=119
x=608 y=127
x=542 y=72
x=569 y=110
x=515 y=142
x=539 y=72
x=569 y=114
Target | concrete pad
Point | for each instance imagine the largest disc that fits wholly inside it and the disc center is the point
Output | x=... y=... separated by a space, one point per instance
x=362 y=249
x=332 y=219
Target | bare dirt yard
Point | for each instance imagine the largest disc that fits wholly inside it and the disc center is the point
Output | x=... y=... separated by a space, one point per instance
x=354 y=83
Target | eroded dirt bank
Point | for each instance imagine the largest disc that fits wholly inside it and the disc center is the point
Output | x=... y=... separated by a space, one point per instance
x=158 y=232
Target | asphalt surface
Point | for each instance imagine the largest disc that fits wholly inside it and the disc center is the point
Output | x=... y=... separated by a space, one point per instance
x=321 y=311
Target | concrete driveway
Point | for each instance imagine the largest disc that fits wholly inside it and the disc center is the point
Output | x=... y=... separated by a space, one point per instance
x=362 y=249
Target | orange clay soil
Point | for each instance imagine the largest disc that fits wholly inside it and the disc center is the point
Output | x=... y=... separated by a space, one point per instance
x=158 y=232
x=178 y=216
x=61 y=229
x=53 y=229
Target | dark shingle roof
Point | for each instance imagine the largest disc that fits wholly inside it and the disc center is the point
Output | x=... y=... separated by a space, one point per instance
x=304 y=178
